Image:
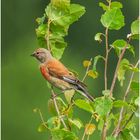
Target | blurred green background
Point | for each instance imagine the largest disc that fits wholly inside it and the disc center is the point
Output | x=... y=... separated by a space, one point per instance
x=23 y=87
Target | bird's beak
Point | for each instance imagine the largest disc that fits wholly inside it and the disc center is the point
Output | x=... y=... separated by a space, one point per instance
x=33 y=54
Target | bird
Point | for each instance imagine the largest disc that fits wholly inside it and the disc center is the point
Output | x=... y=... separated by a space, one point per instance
x=57 y=74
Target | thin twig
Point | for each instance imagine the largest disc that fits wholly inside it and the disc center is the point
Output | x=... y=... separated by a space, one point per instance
x=116 y=131
x=42 y=119
x=87 y=71
x=117 y=67
x=106 y=58
x=47 y=35
x=57 y=109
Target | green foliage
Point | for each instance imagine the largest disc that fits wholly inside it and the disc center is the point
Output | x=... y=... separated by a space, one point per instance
x=113 y=19
x=119 y=45
x=122 y=70
x=51 y=30
x=60 y=15
x=135 y=86
x=102 y=106
x=85 y=105
x=62 y=134
x=135 y=29
x=119 y=103
x=98 y=37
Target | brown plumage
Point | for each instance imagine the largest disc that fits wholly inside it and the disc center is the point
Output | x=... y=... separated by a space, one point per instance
x=57 y=74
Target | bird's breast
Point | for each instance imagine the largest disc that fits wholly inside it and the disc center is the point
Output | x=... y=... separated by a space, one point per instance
x=45 y=73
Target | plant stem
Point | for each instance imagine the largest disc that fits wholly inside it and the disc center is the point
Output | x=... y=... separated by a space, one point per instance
x=47 y=35
x=117 y=130
x=106 y=58
x=42 y=119
x=117 y=67
x=104 y=130
x=86 y=71
x=57 y=109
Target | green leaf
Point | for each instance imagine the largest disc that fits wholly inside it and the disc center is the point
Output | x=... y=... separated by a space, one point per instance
x=137 y=103
x=42 y=128
x=116 y=4
x=77 y=122
x=120 y=103
x=135 y=86
x=58 y=45
x=135 y=29
x=119 y=45
x=65 y=18
x=63 y=4
x=122 y=70
x=41 y=20
x=60 y=103
x=110 y=138
x=133 y=137
x=96 y=58
x=85 y=105
x=98 y=37
x=102 y=105
x=126 y=134
x=113 y=19
x=53 y=123
x=103 y=6
x=69 y=94
x=63 y=134
x=41 y=30
x=100 y=124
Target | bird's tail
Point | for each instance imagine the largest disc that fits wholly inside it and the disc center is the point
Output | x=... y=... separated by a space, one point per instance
x=84 y=92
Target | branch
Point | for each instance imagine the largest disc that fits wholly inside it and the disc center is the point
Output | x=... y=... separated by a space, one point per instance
x=106 y=58
x=117 y=130
x=42 y=119
x=47 y=35
x=104 y=130
x=57 y=109
x=117 y=67
x=86 y=71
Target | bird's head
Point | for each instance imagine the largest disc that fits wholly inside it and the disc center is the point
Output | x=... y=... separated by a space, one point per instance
x=42 y=55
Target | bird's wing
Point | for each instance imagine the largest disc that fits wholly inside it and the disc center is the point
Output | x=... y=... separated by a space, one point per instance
x=57 y=69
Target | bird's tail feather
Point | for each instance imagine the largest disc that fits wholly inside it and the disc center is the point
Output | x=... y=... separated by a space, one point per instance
x=84 y=92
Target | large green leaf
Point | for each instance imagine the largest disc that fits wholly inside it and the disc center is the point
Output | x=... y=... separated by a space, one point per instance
x=63 y=134
x=110 y=138
x=83 y=104
x=113 y=19
x=119 y=103
x=102 y=105
x=65 y=18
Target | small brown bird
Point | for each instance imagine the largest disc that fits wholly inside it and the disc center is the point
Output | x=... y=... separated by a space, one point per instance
x=57 y=74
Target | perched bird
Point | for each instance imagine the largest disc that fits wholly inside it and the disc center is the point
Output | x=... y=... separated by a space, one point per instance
x=57 y=74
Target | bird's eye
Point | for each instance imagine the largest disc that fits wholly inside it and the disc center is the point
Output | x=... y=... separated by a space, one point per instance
x=37 y=53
